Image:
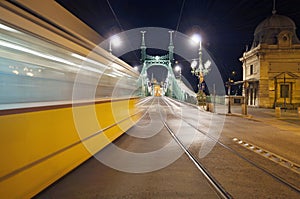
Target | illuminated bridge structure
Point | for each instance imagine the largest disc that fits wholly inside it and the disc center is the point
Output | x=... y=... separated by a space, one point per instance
x=171 y=86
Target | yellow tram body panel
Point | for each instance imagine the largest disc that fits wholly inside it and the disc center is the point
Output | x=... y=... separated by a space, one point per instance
x=39 y=147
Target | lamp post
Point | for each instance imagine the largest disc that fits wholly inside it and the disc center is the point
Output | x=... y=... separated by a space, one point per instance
x=178 y=70
x=201 y=71
x=114 y=40
x=229 y=83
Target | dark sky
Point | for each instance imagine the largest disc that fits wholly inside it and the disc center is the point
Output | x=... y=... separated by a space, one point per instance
x=226 y=26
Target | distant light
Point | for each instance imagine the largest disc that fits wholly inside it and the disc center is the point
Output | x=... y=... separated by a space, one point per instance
x=29 y=74
x=115 y=40
x=194 y=64
x=15 y=72
x=207 y=64
x=177 y=68
x=196 y=38
x=156 y=58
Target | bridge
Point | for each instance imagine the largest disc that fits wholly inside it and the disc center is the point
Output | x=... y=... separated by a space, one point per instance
x=171 y=86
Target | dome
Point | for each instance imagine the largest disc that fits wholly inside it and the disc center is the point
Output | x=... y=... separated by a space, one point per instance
x=270 y=28
x=275 y=22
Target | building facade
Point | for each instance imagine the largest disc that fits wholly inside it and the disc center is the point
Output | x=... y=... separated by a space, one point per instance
x=271 y=68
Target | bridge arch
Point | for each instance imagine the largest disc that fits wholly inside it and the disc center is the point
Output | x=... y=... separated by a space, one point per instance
x=170 y=86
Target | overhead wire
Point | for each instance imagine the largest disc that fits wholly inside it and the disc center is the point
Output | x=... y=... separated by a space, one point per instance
x=120 y=26
x=115 y=16
x=180 y=15
x=179 y=20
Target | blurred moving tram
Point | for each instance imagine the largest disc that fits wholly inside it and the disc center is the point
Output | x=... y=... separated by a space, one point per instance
x=62 y=97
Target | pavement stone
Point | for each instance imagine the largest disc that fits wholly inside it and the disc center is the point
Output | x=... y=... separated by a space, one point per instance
x=289 y=119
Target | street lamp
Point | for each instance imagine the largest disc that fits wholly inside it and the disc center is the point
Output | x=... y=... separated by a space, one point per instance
x=136 y=68
x=178 y=70
x=114 y=40
x=197 y=39
x=228 y=84
x=201 y=71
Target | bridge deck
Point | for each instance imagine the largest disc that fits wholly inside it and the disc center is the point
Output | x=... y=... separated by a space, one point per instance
x=157 y=176
x=150 y=164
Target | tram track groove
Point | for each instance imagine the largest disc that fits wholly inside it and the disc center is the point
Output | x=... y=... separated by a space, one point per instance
x=277 y=178
x=216 y=186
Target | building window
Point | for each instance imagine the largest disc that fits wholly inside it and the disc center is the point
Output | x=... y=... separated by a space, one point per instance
x=251 y=69
x=284 y=91
x=284 y=38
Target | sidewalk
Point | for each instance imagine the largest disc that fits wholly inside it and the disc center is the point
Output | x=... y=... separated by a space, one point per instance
x=289 y=119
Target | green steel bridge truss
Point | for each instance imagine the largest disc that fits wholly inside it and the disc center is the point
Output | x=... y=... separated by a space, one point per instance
x=171 y=87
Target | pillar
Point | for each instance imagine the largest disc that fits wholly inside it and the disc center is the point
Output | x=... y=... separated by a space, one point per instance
x=278 y=112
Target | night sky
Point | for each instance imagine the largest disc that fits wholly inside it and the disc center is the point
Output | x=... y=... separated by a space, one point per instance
x=226 y=26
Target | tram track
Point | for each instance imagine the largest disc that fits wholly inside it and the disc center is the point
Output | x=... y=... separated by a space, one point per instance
x=217 y=187
x=169 y=173
x=214 y=184
x=231 y=150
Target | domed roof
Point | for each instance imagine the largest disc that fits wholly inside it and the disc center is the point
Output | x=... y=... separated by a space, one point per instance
x=275 y=22
x=269 y=29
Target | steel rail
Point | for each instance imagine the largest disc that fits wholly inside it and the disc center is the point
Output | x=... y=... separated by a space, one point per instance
x=220 y=191
x=279 y=179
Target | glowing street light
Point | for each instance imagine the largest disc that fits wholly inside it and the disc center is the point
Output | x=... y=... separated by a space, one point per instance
x=196 y=38
x=194 y=64
x=136 y=68
x=198 y=71
x=114 y=40
x=178 y=69
x=201 y=71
